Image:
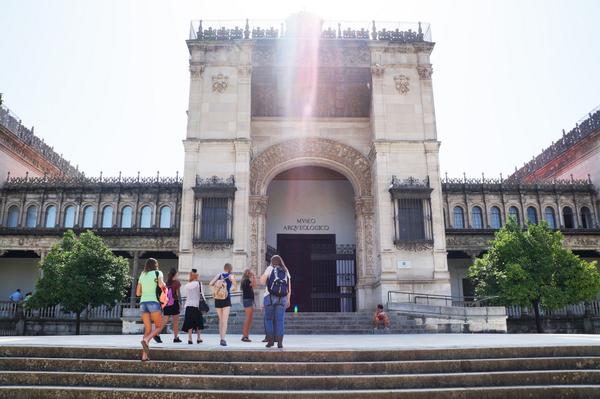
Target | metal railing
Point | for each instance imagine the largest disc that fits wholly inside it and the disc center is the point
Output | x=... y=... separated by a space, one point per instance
x=576 y=310
x=10 y=310
x=226 y=30
x=437 y=300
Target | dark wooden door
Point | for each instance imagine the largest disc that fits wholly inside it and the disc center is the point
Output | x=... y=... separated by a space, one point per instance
x=295 y=249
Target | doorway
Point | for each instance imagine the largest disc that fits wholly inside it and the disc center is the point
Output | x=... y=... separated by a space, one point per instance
x=323 y=274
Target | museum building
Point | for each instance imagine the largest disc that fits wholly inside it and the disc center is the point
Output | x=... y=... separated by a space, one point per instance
x=311 y=141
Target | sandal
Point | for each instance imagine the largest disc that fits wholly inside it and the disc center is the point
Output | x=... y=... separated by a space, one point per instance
x=246 y=339
x=199 y=341
x=190 y=342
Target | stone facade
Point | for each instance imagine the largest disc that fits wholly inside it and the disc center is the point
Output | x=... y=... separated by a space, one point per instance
x=353 y=106
x=374 y=119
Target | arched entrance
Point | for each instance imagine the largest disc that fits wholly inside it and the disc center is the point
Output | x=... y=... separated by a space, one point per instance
x=280 y=165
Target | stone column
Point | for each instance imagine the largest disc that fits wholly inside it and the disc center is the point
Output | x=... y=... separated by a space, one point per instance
x=134 y=272
x=42 y=254
x=365 y=251
x=258 y=216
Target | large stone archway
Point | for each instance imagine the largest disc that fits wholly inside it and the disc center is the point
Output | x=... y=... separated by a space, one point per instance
x=316 y=152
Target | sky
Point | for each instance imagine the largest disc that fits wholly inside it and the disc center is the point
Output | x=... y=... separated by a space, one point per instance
x=106 y=82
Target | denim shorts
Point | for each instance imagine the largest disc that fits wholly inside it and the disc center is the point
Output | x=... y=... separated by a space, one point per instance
x=149 y=307
x=248 y=303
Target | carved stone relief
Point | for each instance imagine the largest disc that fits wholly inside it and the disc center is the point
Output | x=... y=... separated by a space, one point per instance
x=196 y=70
x=402 y=82
x=220 y=83
x=377 y=70
x=425 y=72
x=312 y=147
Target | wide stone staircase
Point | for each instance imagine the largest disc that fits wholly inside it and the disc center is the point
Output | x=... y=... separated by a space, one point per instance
x=111 y=373
x=318 y=323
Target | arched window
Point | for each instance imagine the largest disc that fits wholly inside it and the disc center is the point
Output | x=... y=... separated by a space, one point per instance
x=88 y=217
x=549 y=216
x=477 y=218
x=513 y=213
x=586 y=218
x=459 y=218
x=146 y=217
x=126 y=217
x=165 y=217
x=69 y=217
x=532 y=215
x=31 y=218
x=107 y=217
x=568 y=221
x=496 y=219
x=50 y=221
x=12 y=220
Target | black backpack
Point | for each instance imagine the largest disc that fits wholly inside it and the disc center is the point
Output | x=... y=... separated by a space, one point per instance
x=278 y=284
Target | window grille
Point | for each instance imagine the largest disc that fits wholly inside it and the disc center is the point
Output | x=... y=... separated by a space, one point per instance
x=550 y=219
x=477 y=218
x=513 y=213
x=496 y=219
x=412 y=213
x=532 y=215
x=213 y=222
x=569 y=220
x=459 y=218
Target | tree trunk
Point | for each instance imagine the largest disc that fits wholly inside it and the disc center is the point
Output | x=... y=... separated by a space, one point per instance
x=77 y=322
x=538 y=319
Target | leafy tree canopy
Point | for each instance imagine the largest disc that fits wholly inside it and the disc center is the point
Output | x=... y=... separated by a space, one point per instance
x=525 y=267
x=81 y=272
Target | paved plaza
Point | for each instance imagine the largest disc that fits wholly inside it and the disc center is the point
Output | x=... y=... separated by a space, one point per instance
x=321 y=342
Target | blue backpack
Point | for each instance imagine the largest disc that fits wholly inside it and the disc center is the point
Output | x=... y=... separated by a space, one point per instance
x=278 y=284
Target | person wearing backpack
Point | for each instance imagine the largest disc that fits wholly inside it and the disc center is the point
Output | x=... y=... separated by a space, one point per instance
x=173 y=307
x=276 y=299
x=151 y=289
x=222 y=284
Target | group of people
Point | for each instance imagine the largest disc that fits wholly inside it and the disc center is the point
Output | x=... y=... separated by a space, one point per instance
x=160 y=301
x=17 y=296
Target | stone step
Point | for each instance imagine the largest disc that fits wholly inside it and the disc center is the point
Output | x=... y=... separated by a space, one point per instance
x=299 y=368
x=284 y=382
x=292 y=355
x=514 y=392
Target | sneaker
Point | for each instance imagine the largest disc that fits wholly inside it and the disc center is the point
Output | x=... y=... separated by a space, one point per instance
x=157 y=339
x=223 y=342
x=176 y=340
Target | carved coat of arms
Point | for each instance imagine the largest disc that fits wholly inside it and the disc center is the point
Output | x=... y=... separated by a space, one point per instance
x=402 y=83
x=219 y=83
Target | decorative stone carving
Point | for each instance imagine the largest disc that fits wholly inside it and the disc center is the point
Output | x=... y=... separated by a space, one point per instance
x=377 y=70
x=196 y=70
x=364 y=206
x=402 y=82
x=213 y=246
x=244 y=70
x=369 y=243
x=331 y=151
x=220 y=83
x=414 y=246
x=425 y=72
x=258 y=210
x=258 y=205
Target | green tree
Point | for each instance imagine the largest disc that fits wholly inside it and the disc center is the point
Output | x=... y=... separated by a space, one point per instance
x=79 y=273
x=531 y=267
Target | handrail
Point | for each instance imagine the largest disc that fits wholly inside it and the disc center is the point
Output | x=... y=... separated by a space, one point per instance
x=438 y=299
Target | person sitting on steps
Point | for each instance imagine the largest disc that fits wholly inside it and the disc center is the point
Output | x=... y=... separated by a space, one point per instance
x=381 y=319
